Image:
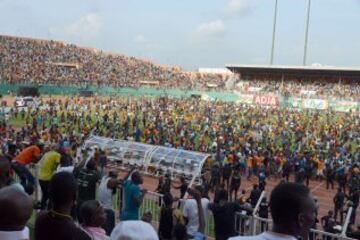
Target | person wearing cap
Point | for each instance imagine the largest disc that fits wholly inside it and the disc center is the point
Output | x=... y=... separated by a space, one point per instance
x=31 y=154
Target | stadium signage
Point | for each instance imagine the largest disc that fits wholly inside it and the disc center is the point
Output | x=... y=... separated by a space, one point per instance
x=245 y=98
x=344 y=106
x=315 y=104
x=272 y=100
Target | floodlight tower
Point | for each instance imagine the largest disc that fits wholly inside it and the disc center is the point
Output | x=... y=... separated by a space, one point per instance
x=273 y=35
x=307 y=32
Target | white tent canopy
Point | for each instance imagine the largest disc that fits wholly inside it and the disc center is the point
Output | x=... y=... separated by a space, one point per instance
x=177 y=161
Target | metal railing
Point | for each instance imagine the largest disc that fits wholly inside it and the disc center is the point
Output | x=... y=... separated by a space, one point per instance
x=245 y=222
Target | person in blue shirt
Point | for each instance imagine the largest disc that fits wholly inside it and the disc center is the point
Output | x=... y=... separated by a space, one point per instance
x=133 y=196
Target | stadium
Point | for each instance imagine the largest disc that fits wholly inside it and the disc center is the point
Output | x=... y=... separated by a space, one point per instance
x=101 y=145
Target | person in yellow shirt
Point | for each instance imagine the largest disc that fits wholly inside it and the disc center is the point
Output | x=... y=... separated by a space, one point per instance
x=48 y=165
x=320 y=169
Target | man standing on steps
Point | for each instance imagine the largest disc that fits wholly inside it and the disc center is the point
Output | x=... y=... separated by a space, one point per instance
x=293 y=211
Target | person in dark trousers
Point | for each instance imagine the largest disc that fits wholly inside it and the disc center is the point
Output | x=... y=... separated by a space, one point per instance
x=264 y=213
x=286 y=171
x=169 y=218
x=354 y=199
x=255 y=195
x=262 y=181
x=339 y=200
x=20 y=163
x=215 y=176
x=103 y=161
x=300 y=176
x=330 y=177
x=48 y=165
x=87 y=179
x=235 y=183
x=342 y=181
x=328 y=223
x=159 y=189
x=224 y=216
x=308 y=172
x=226 y=174
x=166 y=218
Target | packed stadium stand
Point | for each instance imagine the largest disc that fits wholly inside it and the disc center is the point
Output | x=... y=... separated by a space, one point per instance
x=54 y=62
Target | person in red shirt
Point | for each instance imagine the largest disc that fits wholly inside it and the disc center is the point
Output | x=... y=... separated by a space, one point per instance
x=29 y=155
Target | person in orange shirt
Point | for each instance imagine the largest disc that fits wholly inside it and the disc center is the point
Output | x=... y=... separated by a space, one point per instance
x=249 y=166
x=29 y=155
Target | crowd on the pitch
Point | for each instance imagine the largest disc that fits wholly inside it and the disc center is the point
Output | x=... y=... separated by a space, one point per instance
x=246 y=141
x=51 y=62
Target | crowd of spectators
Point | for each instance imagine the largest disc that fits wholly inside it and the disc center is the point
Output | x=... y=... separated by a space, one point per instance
x=312 y=87
x=24 y=60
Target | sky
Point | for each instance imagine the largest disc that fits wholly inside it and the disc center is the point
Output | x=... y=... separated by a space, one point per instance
x=195 y=33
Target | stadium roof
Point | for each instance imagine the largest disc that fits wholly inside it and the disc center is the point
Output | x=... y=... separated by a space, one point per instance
x=302 y=70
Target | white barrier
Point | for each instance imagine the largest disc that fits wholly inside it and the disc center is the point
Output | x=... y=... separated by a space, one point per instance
x=244 y=223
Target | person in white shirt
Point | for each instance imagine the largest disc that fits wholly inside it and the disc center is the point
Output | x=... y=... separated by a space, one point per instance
x=293 y=212
x=16 y=209
x=107 y=188
x=190 y=212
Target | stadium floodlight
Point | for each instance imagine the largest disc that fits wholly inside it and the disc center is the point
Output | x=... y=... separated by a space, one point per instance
x=306 y=32
x=273 y=35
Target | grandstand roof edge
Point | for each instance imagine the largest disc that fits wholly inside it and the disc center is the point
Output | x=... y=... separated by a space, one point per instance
x=293 y=68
